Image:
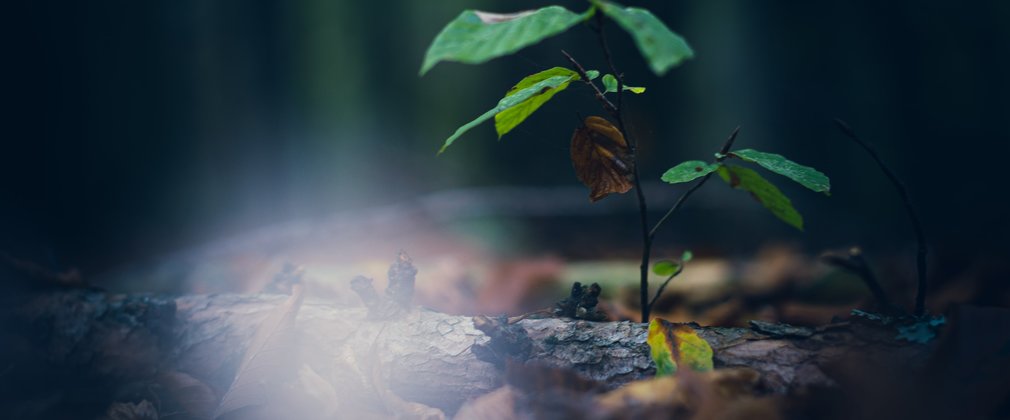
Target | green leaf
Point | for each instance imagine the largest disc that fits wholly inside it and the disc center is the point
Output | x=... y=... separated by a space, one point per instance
x=610 y=85
x=475 y=37
x=508 y=119
x=763 y=191
x=666 y=268
x=672 y=345
x=687 y=256
x=662 y=48
x=689 y=171
x=593 y=74
x=804 y=175
x=507 y=102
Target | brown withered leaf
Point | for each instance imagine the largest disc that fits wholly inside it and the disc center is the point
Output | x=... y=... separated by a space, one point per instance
x=601 y=158
x=267 y=361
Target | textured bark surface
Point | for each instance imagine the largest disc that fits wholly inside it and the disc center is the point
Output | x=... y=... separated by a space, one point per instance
x=424 y=356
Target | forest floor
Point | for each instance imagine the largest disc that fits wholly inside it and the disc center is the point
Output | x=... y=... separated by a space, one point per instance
x=793 y=337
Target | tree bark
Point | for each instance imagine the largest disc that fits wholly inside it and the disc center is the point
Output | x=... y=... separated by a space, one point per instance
x=438 y=360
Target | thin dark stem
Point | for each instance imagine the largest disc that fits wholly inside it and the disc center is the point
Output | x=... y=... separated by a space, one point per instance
x=920 y=296
x=643 y=210
x=662 y=287
x=722 y=156
x=607 y=105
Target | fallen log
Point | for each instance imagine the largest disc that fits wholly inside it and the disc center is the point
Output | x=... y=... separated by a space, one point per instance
x=79 y=350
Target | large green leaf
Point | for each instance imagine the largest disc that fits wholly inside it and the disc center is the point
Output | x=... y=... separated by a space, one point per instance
x=688 y=171
x=475 y=37
x=509 y=101
x=508 y=119
x=804 y=175
x=763 y=191
x=662 y=48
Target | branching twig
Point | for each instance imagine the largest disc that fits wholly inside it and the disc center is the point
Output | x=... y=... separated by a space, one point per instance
x=643 y=210
x=607 y=105
x=722 y=156
x=920 y=296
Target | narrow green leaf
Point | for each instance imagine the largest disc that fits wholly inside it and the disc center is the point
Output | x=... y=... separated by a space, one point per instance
x=666 y=268
x=475 y=37
x=804 y=175
x=660 y=46
x=610 y=85
x=508 y=119
x=763 y=191
x=508 y=102
x=688 y=171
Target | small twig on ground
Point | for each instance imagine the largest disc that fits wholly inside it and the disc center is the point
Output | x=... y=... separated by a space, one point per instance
x=854 y=262
x=920 y=296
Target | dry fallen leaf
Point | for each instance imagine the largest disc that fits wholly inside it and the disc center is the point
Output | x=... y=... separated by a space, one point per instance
x=267 y=360
x=601 y=158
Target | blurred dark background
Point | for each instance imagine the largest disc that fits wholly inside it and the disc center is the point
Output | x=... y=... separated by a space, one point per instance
x=136 y=129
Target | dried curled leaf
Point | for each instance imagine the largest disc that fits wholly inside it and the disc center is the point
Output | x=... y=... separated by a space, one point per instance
x=674 y=345
x=601 y=158
x=267 y=361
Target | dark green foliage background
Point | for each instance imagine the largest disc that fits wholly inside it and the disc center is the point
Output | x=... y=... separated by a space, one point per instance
x=136 y=128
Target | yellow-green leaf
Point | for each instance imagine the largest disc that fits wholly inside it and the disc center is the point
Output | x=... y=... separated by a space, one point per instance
x=672 y=345
x=508 y=119
x=513 y=99
x=667 y=268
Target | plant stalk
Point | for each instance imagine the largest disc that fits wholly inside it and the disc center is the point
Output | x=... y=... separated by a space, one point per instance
x=920 y=237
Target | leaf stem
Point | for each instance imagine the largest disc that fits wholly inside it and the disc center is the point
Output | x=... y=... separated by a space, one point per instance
x=723 y=153
x=659 y=291
x=920 y=295
x=607 y=105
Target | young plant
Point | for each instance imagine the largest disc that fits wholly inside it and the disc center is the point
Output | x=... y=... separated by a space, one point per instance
x=603 y=152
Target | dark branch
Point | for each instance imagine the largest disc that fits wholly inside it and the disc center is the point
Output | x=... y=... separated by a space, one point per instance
x=920 y=295
x=607 y=105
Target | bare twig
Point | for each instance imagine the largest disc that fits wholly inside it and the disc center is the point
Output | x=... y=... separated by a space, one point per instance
x=920 y=296
x=607 y=105
x=854 y=262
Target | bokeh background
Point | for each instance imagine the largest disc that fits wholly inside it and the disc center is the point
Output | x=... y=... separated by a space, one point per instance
x=136 y=130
